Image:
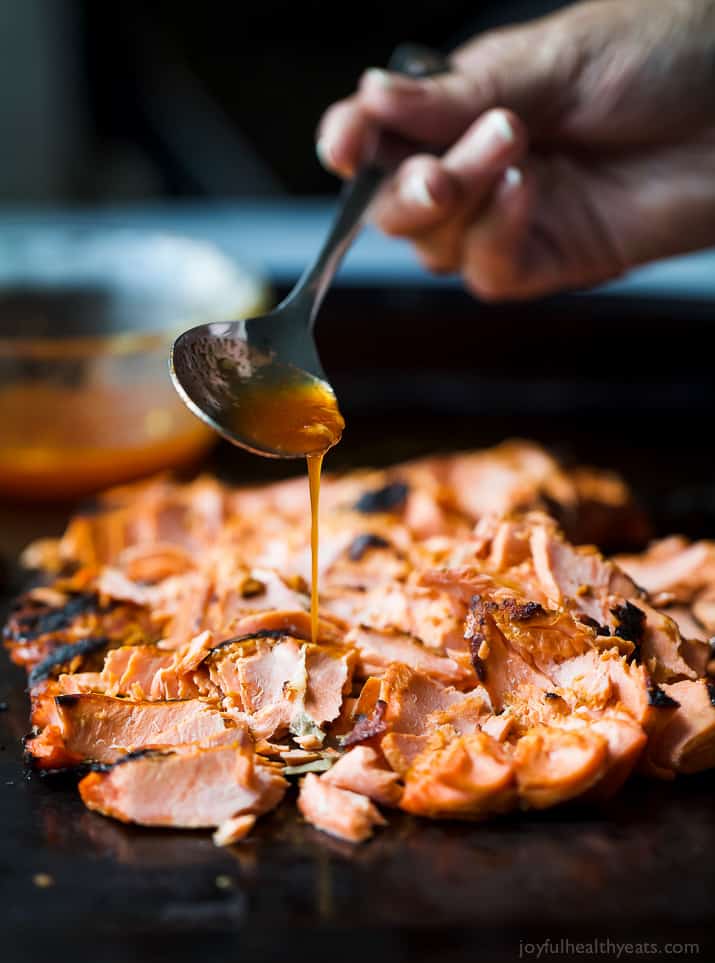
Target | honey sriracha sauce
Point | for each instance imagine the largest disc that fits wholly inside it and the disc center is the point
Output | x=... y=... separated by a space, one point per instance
x=294 y=415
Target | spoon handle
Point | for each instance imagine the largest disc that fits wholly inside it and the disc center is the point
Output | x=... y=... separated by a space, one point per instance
x=414 y=61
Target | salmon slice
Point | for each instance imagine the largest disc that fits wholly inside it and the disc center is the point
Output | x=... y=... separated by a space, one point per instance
x=555 y=765
x=686 y=743
x=673 y=565
x=378 y=649
x=503 y=543
x=234 y=829
x=411 y=707
x=547 y=665
x=466 y=716
x=155 y=561
x=411 y=697
x=467 y=777
x=37 y=632
x=514 y=475
x=425 y=515
x=192 y=789
x=499 y=727
x=364 y=550
x=401 y=749
x=690 y=627
x=581 y=575
x=601 y=591
x=361 y=771
x=432 y=617
x=264 y=679
x=329 y=678
x=338 y=812
x=626 y=742
x=101 y=728
x=239 y=593
x=625 y=738
x=674 y=570
x=146 y=673
x=603 y=680
x=294 y=623
x=188 y=516
x=281 y=684
x=559 y=576
x=704 y=609
x=500 y=665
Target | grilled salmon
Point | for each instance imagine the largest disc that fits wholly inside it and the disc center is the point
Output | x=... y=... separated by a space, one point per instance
x=473 y=656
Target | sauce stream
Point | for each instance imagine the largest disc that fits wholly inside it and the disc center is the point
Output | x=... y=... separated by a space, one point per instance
x=315 y=463
x=293 y=414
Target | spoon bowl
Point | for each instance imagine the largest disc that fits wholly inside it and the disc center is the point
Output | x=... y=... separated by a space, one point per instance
x=259 y=382
x=258 y=385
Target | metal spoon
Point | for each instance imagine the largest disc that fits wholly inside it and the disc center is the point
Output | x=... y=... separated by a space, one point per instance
x=221 y=369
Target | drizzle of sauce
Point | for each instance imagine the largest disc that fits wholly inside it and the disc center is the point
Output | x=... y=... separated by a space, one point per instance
x=293 y=414
x=315 y=463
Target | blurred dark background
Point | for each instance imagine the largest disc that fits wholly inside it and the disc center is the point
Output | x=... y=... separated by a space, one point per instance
x=199 y=118
x=173 y=99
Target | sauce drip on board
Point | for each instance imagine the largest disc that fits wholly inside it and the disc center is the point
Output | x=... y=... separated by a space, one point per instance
x=296 y=415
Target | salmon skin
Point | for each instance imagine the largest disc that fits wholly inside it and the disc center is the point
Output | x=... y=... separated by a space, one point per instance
x=473 y=655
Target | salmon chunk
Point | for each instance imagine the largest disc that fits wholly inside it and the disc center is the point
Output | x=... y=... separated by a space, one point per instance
x=100 y=728
x=554 y=765
x=361 y=771
x=338 y=812
x=463 y=777
x=189 y=789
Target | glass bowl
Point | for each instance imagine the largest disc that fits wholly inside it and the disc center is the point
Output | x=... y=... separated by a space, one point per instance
x=86 y=322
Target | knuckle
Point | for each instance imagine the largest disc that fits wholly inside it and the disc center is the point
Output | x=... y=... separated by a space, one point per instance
x=485 y=72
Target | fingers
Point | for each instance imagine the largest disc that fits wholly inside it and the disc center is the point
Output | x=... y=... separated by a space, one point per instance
x=433 y=110
x=529 y=69
x=494 y=263
x=493 y=142
x=428 y=199
x=419 y=197
x=343 y=137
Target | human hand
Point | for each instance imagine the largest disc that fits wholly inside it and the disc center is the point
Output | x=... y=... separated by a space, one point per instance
x=572 y=148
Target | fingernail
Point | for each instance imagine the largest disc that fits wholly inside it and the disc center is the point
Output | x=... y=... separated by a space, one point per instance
x=415 y=190
x=501 y=127
x=325 y=156
x=381 y=78
x=513 y=177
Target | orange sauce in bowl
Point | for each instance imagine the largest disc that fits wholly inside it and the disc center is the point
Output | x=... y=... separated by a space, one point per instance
x=59 y=441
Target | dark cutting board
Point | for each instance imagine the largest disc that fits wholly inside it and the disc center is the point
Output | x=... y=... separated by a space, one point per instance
x=639 y=869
